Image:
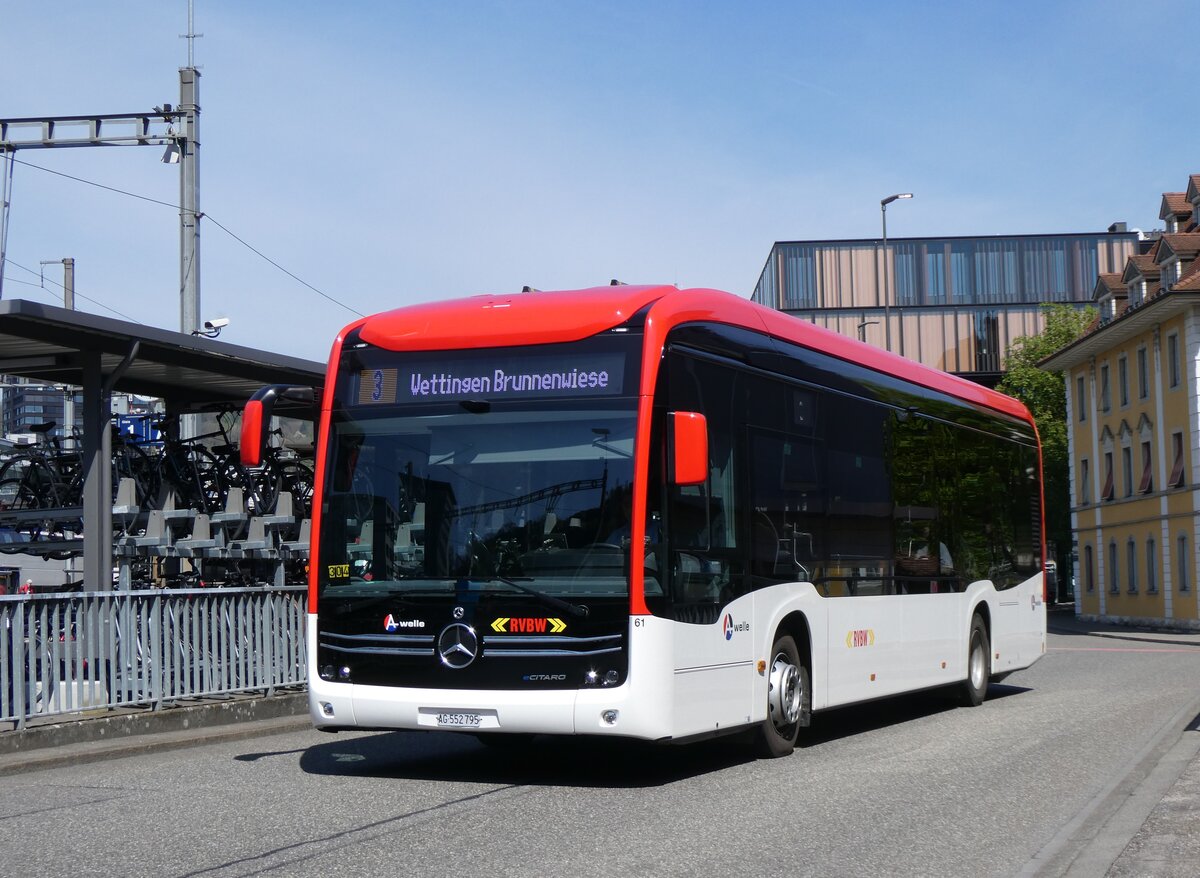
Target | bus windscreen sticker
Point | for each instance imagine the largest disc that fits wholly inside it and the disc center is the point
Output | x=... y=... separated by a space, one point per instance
x=500 y=377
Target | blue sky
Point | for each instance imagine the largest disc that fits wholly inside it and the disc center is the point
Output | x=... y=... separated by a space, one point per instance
x=396 y=152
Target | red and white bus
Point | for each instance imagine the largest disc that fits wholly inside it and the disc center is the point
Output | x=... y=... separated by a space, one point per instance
x=655 y=513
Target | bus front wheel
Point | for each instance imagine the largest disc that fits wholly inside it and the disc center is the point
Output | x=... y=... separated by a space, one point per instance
x=788 y=700
x=974 y=688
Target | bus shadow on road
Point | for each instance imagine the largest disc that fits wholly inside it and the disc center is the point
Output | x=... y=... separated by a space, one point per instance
x=592 y=762
x=857 y=719
x=541 y=761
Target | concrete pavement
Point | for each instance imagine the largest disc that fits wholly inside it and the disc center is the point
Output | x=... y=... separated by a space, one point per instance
x=1150 y=831
x=111 y=734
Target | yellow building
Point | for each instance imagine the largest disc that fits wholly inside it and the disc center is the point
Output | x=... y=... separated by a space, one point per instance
x=1133 y=408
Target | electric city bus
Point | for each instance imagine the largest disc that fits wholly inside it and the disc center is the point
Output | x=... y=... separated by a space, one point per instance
x=655 y=513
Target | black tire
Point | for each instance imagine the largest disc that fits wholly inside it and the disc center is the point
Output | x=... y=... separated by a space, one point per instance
x=297 y=478
x=131 y=462
x=789 y=700
x=979 y=665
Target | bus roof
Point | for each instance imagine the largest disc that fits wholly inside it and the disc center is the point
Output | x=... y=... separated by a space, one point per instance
x=509 y=319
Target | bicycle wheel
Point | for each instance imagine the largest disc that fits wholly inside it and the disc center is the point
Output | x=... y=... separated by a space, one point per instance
x=296 y=477
x=209 y=478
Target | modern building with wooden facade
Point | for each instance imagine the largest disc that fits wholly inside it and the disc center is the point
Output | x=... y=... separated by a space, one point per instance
x=954 y=303
x=1133 y=401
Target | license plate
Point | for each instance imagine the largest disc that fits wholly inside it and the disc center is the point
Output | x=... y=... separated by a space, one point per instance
x=462 y=720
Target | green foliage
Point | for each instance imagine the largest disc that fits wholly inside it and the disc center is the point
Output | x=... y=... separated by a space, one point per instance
x=1044 y=394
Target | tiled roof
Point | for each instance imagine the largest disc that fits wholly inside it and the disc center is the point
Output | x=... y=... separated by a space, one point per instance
x=1193 y=189
x=1175 y=204
x=1109 y=283
x=1141 y=266
x=1184 y=245
x=1190 y=282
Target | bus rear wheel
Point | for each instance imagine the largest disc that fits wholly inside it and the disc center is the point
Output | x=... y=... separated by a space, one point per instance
x=974 y=688
x=789 y=700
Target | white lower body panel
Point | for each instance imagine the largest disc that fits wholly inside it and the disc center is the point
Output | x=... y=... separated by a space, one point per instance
x=642 y=703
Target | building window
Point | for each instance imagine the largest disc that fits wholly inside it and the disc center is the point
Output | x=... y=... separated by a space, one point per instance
x=1089 y=569
x=1114 y=578
x=1177 y=478
x=987 y=341
x=1085 y=481
x=935 y=274
x=1132 y=569
x=905 y=270
x=962 y=285
x=1147 y=482
x=1143 y=375
x=1123 y=380
x=1173 y=369
x=1151 y=568
x=1105 y=392
x=1184 y=561
x=799 y=277
x=1109 y=489
x=1127 y=469
x=1080 y=399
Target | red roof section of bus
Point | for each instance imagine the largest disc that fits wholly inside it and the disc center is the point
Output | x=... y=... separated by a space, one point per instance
x=684 y=306
x=505 y=320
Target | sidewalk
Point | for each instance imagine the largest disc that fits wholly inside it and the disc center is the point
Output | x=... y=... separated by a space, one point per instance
x=57 y=741
x=1166 y=844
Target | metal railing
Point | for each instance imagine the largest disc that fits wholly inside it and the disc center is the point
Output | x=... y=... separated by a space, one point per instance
x=73 y=652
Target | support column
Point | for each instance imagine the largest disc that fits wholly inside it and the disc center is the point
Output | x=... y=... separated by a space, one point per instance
x=97 y=484
x=189 y=201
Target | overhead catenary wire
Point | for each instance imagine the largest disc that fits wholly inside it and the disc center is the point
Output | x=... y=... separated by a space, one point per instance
x=205 y=215
x=78 y=294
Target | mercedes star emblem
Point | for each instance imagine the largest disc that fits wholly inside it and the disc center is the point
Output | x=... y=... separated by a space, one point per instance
x=457 y=645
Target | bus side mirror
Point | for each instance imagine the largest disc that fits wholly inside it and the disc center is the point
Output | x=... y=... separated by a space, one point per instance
x=251 y=441
x=688 y=448
x=256 y=419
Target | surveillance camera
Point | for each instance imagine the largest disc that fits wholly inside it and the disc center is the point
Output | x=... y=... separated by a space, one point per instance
x=216 y=323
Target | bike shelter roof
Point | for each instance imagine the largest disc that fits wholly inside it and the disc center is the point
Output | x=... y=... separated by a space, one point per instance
x=100 y=355
x=57 y=345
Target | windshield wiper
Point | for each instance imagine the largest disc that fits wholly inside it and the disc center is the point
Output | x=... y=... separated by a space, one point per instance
x=548 y=599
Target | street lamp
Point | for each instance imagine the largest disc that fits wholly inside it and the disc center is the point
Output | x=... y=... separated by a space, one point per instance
x=887 y=286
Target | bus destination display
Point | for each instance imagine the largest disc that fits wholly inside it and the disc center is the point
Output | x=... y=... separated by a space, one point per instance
x=493 y=378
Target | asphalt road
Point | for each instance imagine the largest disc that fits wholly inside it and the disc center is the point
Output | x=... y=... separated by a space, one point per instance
x=1049 y=776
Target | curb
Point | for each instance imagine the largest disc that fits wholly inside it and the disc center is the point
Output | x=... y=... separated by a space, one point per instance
x=1134 y=634
x=112 y=736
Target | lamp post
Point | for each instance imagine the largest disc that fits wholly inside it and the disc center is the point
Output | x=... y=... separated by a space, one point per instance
x=887 y=286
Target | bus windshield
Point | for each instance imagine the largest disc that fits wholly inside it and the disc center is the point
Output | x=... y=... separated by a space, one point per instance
x=522 y=496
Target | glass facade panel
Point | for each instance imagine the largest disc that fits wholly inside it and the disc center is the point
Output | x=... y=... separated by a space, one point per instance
x=907 y=273
x=1045 y=269
x=935 y=274
x=800 y=278
x=1008 y=276
x=962 y=274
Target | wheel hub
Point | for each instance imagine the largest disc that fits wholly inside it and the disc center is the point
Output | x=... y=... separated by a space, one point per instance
x=783 y=699
x=977 y=665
